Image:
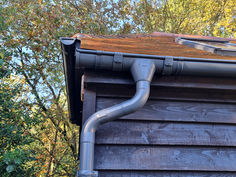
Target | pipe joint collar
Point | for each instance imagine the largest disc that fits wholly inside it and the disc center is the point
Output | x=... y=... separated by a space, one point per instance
x=143 y=70
x=168 y=66
x=88 y=137
x=87 y=173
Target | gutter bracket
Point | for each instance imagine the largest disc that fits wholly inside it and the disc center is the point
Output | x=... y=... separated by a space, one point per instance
x=168 y=65
x=97 y=61
x=117 y=61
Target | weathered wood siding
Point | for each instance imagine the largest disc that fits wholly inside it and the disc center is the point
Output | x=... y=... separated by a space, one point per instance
x=187 y=128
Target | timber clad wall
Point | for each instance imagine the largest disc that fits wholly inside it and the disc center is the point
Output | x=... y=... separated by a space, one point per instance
x=187 y=128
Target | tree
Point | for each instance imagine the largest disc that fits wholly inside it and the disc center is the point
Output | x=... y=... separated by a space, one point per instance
x=201 y=17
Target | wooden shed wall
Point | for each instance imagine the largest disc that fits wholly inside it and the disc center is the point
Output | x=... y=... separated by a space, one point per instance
x=187 y=128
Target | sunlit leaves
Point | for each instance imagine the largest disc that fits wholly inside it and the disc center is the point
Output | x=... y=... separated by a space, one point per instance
x=201 y=17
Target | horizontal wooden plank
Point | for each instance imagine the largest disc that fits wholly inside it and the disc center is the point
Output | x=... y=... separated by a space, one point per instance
x=165 y=158
x=160 y=110
x=166 y=81
x=163 y=174
x=170 y=93
x=156 y=133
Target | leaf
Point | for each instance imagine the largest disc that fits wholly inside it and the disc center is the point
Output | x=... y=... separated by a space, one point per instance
x=10 y=168
x=1 y=55
x=1 y=62
x=18 y=161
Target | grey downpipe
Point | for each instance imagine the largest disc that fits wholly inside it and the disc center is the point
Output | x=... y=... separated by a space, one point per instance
x=142 y=72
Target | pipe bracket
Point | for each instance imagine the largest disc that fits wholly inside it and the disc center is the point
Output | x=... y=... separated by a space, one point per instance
x=98 y=61
x=168 y=65
x=117 y=61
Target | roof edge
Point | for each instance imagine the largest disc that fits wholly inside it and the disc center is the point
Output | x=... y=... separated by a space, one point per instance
x=68 y=46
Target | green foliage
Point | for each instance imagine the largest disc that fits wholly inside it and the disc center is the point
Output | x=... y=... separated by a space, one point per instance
x=15 y=124
x=15 y=163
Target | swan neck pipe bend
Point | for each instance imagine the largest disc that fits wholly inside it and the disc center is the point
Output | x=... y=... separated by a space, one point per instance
x=142 y=72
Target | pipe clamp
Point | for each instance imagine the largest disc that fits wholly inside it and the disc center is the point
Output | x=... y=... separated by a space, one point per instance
x=168 y=65
x=97 y=61
x=117 y=61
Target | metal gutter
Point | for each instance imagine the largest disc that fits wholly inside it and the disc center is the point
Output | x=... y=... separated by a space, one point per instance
x=72 y=78
x=166 y=65
x=132 y=55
